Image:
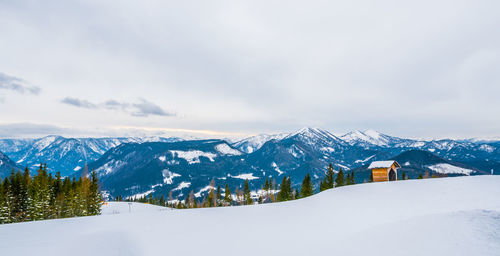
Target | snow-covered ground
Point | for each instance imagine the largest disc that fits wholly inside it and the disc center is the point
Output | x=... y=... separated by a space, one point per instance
x=445 y=216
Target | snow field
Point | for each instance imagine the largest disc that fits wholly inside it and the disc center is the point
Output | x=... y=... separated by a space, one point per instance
x=445 y=216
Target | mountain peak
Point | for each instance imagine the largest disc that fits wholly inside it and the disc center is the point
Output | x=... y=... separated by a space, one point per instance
x=314 y=134
x=369 y=136
x=372 y=133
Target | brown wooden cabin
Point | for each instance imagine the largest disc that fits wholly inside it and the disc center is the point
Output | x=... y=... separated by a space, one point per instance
x=384 y=170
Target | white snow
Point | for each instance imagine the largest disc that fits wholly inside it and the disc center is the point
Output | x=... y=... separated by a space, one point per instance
x=381 y=164
x=207 y=188
x=162 y=158
x=442 y=216
x=327 y=149
x=168 y=176
x=225 y=149
x=77 y=168
x=487 y=148
x=123 y=208
x=182 y=185
x=276 y=168
x=449 y=169
x=254 y=143
x=364 y=160
x=368 y=136
x=245 y=176
x=193 y=156
x=343 y=166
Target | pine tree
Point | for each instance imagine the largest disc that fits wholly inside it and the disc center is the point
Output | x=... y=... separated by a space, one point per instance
x=420 y=176
x=403 y=176
x=329 y=179
x=94 y=196
x=227 y=195
x=285 y=192
x=340 y=181
x=246 y=193
x=307 y=187
x=211 y=198
x=351 y=178
x=371 y=177
x=219 y=196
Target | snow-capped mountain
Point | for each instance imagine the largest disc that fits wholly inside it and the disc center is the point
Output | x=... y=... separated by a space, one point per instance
x=253 y=143
x=134 y=169
x=6 y=165
x=158 y=168
x=65 y=155
x=140 y=169
x=137 y=166
x=372 y=138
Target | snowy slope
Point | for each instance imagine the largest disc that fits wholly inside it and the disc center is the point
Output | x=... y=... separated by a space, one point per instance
x=448 y=216
x=6 y=165
x=254 y=143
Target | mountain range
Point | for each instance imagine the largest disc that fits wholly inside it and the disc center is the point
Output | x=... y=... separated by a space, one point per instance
x=65 y=155
x=141 y=166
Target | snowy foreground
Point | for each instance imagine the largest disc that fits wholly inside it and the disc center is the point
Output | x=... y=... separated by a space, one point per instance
x=447 y=216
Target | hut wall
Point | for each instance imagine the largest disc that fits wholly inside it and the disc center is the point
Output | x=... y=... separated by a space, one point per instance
x=380 y=174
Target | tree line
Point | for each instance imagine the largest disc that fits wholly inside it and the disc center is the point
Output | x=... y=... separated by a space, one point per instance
x=26 y=197
x=270 y=192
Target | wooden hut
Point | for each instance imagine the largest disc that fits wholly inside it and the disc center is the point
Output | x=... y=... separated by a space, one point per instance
x=384 y=170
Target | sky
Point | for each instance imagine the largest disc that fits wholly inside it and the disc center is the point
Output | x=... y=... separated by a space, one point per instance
x=421 y=69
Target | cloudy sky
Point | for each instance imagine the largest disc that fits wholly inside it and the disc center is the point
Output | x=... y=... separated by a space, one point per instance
x=233 y=68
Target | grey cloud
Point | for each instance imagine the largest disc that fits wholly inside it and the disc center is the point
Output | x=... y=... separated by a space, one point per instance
x=78 y=103
x=18 y=85
x=141 y=108
x=145 y=108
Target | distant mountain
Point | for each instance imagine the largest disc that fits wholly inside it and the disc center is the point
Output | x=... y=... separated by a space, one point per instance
x=135 y=169
x=137 y=166
x=7 y=165
x=254 y=143
x=65 y=155
x=140 y=169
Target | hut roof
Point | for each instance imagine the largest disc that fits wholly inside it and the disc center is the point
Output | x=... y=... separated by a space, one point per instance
x=383 y=164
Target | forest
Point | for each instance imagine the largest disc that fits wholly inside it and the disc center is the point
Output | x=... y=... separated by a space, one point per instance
x=26 y=197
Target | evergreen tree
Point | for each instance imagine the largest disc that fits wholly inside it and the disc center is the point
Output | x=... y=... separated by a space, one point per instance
x=285 y=192
x=227 y=195
x=340 y=180
x=266 y=185
x=351 y=178
x=420 y=176
x=94 y=196
x=307 y=187
x=371 y=177
x=329 y=179
x=210 y=198
x=219 y=196
x=246 y=193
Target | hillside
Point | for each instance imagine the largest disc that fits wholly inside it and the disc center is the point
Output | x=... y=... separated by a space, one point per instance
x=7 y=165
x=65 y=155
x=447 y=216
